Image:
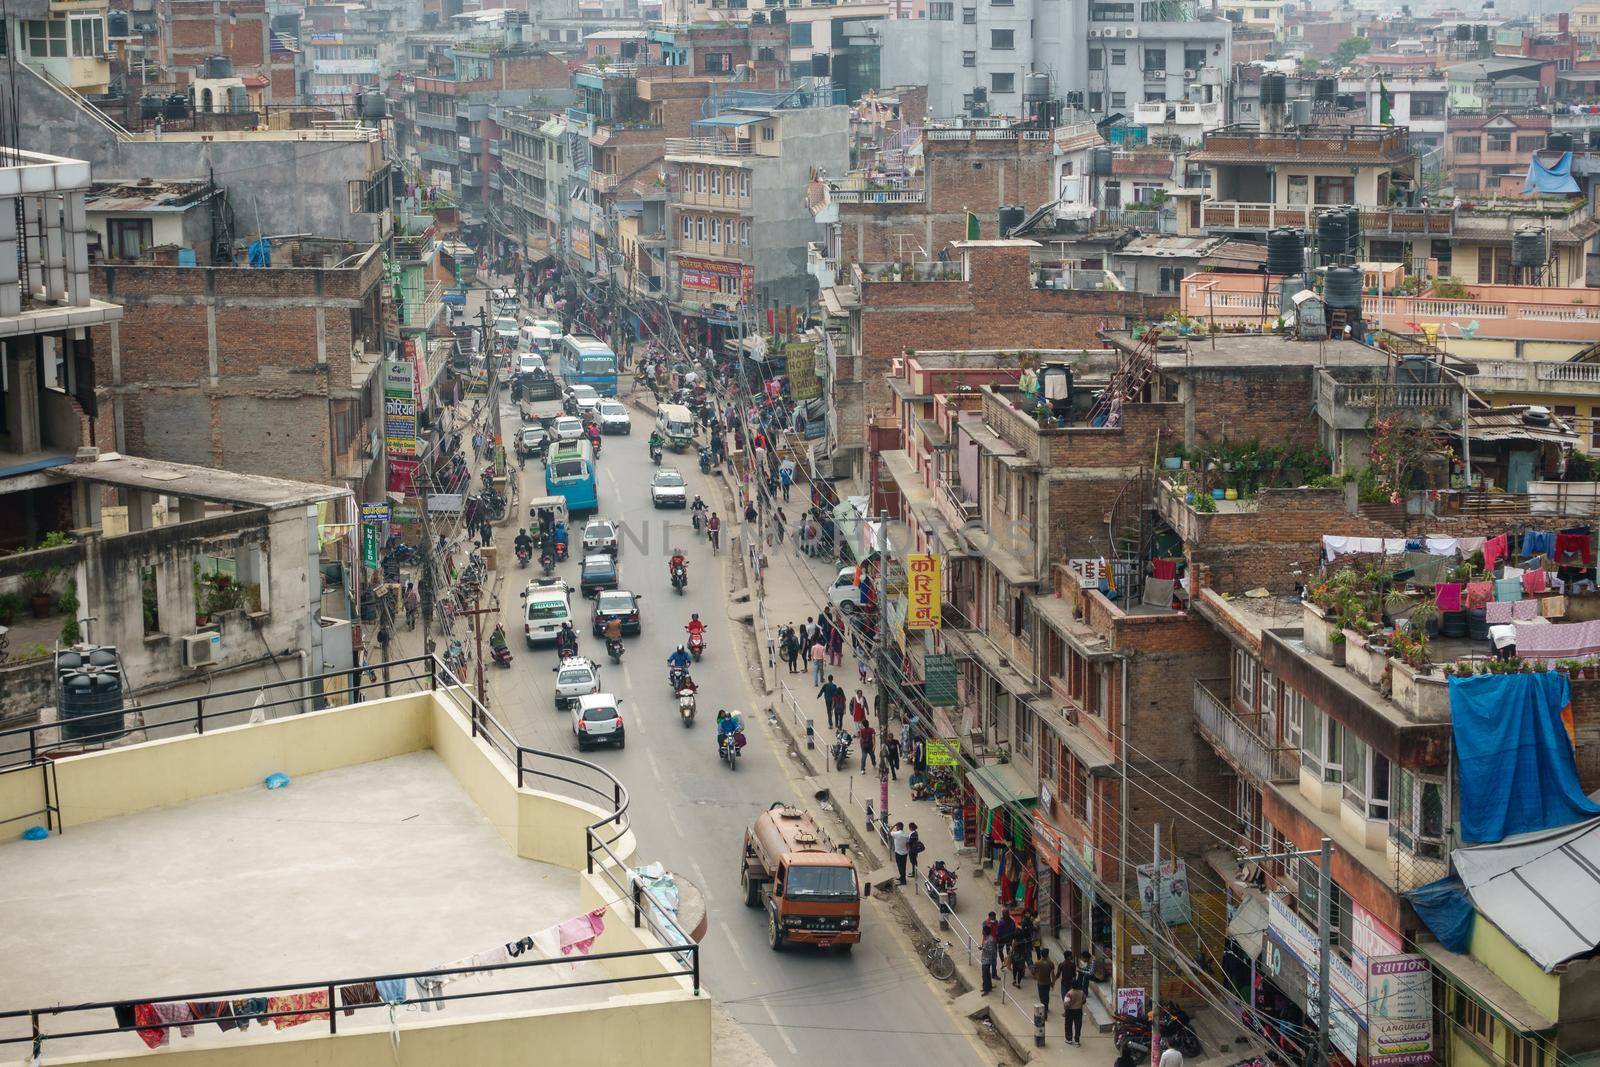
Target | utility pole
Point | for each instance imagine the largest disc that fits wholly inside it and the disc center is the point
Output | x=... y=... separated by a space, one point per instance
x=882 y=543
x=1155 y=960
x=1324 y=856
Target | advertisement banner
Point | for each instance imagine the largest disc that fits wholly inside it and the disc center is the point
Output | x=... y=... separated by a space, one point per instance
x=400 y=407
x=1370 y=937
x=924 y=581
x=406 y=513
x=942 y=753
x=939 y=680
x=580 y=242
x=703 y=281
x=1348 y=993
x=402 y=478
x=1130 y=1000
x=376 y=514
x=1046 y=842
x=1174 y=891
x=369 y=546
x=800 y=363
x=1399 y=1010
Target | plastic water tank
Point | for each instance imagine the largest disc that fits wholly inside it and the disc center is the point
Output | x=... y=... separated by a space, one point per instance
x=1035 y=89
x=150 y=107
x=1529 y=247
x=1558 y=142
x=1333 y=237
x=219 y=67
x=177 y=106
x=1416 y=369
x=1300 y=112
x=1341 y=288
x=1274 y=89
x=1100 y=162
x=1286 y=251
x=1326 y=89
x=1010 y=217
x=373 y=105
x=116 y=24
x=89 y=693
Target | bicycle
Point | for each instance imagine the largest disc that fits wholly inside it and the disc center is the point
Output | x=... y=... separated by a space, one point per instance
x=936 y=957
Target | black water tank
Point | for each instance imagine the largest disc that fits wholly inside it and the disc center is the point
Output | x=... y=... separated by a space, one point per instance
x=1352 y=229
x=89 y=693
x=819 y=64
x=1558 y=142
x=1416 y=370
x=116 y=24
x=150 y=107
x=1594 y=138
x=1480 y=33
x=1326 y=90
x=1529 y=247
x=779 y=16
x=1274 y=89
x=372 y=105
x=1333 y=237
x=1463 y=33
x=1341 y=288
x=1010 y=218
x=177 y=106
x=1286 y=251
x=219 y=67
x=1100 y=162
x=1345 y=102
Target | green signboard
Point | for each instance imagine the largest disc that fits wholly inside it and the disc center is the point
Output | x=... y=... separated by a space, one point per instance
x=369 y=546
x=939 y=674
x=943 y=753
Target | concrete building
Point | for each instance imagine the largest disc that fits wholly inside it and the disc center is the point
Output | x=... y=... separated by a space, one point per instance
x=743 y=172
x=65 y=43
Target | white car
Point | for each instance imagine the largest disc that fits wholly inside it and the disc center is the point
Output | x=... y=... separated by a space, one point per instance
x=600 y=536
x=614 y=417
x=546 y=605
x=505 y=332
x=568 y=428
x=581 y=399
x=667 y=489
x=845 y=594
x=597 y=720
x=530 y=363
x=575 y=678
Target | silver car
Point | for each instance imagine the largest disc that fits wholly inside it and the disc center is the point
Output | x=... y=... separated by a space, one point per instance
x=575 y=678
x=597 y=720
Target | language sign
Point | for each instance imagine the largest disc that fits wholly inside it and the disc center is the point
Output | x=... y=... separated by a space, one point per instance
x=942 y=753
x=1399 y=1010
x=923 y=584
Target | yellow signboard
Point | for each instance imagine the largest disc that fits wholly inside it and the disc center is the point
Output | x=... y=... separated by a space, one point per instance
x=923 y=585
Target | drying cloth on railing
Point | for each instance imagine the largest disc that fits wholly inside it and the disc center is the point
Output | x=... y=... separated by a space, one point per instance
x=299 y=1008
x=1571 y=547
x=1508 y=589
x=1445 y=909
x=577 y=934
x=1497 y=612
x=1447 y=596
x=1553 y=607
x=1335 y=547
x=1158 y=592
x=176 y=1012
x=1504 y=636
x=360 y=993
x=1558 y=640
x=1517 y=771
x=1493 y=550
x=1535 y=581
x=1538 y=543
x=1479 y=594
x=1554 y=180
x=1166 y=569
x=1524 y=610
x=146 y=1016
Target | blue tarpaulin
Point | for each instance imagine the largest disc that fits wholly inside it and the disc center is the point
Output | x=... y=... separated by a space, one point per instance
x=1557 y=179
x=260 y=253
x=1517 y=770
x=1446 y=909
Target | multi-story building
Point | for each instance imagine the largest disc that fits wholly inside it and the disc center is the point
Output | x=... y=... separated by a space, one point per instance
x=1268 y=15
x=738 y=175
x=66 y=43
x=1487 y=151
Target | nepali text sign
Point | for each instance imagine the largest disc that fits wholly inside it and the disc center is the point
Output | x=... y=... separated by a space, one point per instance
x=1347 y=992
x=939 y=679
x=1173 y=890
x=400 y=407
x=800 y=364
x=923 y=583
x=1399 y=1010
x=942 y=753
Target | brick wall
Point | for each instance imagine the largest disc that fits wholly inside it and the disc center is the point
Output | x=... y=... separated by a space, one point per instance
x=1586 y=724
x=1269 y=404
x=1265 y=547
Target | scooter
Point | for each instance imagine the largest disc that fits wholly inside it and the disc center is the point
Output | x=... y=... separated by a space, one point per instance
x=676 y=677
x=614 y=649
x=680 y=579
x=940 y=885
x=840 y=750
x=561 y=551
x=705 y=461
x=655 y=454
x=500 y=653
x=697 y=646
x=686 y=704
x=524 y=554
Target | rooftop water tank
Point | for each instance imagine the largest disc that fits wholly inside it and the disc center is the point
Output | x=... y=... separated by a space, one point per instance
x=1010 y=217
x=1529 y=247
x=1333 y=237
x=1286 y=251
x=1341 y=288
x=89 y=693
x=1100 y=162
x=1035 y=88
x=1274 y=89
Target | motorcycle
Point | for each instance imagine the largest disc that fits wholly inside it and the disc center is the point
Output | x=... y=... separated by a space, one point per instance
x=455 y=658
x=728 y=751
x=614 y=649
x=697 y=646
x=680 y=579
x=686 y=704
x=698 y=518
x=547 y=564
x=561 y=551
x=676 y=677
x=524 y=554
x=566 y=647
x=705 y=461
x=940 y=885
x=655 y=454
x=500 y=652
x=840 y=750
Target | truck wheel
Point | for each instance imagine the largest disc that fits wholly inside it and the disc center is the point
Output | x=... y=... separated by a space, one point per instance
x=774 y=932
x=845 y=947
x=752 y=890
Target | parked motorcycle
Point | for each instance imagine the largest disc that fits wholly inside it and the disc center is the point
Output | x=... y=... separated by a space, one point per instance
x=614 y=649
x=686 y=703
x=840 y=750
x=940 y=885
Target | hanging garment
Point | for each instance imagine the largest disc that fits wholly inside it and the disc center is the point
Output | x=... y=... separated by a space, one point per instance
x=360 y=993
x=145 y=1015
x=1508 y=589
x=1493 y=550
x=1166 y=569
x=298 y=1008
x=1553 y=607
x=392 y=990
x=1523 y=610
x=1557 y=640
x=1571 y=547
x=1447 y=596
x=1497 y=612
x=1538 y=543
x=176 y=1012
x=210 y=1011
x=1535 y=581
x=1479 y=594
x=579 y=933
x=1442 y=546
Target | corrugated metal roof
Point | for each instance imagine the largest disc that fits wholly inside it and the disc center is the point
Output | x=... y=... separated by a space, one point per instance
x=1539 y=889
x=1508 y=424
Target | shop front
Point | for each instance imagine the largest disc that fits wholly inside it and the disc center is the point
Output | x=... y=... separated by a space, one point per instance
x=1002 y=803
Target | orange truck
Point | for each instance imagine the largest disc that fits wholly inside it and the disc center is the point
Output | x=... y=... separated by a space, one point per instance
x=808 y=887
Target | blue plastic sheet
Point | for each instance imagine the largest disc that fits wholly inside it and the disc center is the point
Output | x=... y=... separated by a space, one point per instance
x=1447 y=910
x=1517 y=771
x=1553 y=179
x=35 y=833
x=276 y=781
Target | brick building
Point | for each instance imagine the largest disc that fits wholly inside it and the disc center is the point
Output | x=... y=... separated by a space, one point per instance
x=192 y=31
x=257 y=370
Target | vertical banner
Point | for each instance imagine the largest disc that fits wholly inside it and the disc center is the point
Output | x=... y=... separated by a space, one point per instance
x=923 y=585
x=400 y=408
x=1399 y=1011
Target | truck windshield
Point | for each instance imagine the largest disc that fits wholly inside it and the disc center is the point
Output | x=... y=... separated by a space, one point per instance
x=821 y=883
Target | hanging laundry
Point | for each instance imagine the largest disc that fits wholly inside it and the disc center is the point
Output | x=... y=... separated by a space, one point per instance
x=1535 y=581
x=1508 y=571
x=145 y=1015
x=176 y=1012
x=1508 y=589
x=1165 y=569
x=579 y=933
x=1557 y=640
x=1447 y=596
x=1497 y=612
x=1494 y=550
x=124 y=1015
x=517 y=948
x=1479 y=594
x=427 y=994
x=1553 y=607
x=210 y=1011
x=298 y=1008
x=249 y=1008
x=360 y=993
x=547 y=943
x=1523 y=610
x=1538 y=543
x=1442 y=546
x=1572 y=547
x=392 y=990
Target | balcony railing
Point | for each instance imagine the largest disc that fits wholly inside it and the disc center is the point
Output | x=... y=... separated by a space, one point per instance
x=1334 y=396
x=1376 y=144
x=1242 y=739
x=1242 y=215
x=706 y=146
x=601 y=182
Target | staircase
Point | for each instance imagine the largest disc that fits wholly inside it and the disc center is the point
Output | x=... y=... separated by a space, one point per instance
x=1128 y=382
x=1130 y=530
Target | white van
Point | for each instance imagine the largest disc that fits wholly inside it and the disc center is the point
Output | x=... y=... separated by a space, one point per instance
x=676 y=424
x=545 y=606
x=536 y=339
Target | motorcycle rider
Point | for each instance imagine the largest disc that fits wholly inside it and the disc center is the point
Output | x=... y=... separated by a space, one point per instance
x=697 y=512
x=613 y=631
x=728 y=724
x=676 y=563
x=679 y=660
x=697 y=629
x=497 y=640
x=558 y=532
x=524 y=543
x=567 y=641
x=656 y=442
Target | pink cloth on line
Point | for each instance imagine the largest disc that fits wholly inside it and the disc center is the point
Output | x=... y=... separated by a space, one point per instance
x=1498 y=612
x=1164 y=568
x=1479 y=594
x=1525 y=609
x=1535 y=581
x=1447 y=596
x=579 y=933
x=1493 y=550
x=176 y=1012
x=1557 y=640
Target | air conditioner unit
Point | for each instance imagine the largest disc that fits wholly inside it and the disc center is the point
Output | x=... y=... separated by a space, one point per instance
x=1130 y=32
x=1069 y=713
x=872 y=31
x=203 y=649
x=1188 y=74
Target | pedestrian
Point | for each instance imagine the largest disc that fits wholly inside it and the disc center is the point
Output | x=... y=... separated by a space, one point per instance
x=1170 y=1056
x=914 y=847
x=900 y=839
x=383 y=640
x=1028 y=933
x=868 y=737
x=826 y=692
x=988 y=955
x=836 y=646
x=785 y=479
x=777 y=526
x=1072 y=1001
x=858 y=708
x=891 y=755
x=906 y=740
x=819 y=659
x=836 y=706
x=1019 y=969
x=1006 y=934
x=750 y=512
x=1044 y=974
x=789 y=648
x=861 y=669
x=988 y=928
x=486 y=533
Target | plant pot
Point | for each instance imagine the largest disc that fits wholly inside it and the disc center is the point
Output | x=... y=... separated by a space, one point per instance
x=1317 y=632
x=40 y=603
x=1363 y=659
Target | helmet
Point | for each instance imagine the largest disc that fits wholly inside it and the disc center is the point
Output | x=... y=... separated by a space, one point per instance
x=694 y=616
x=681 y=648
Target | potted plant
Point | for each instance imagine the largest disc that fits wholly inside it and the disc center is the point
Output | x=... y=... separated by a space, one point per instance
x=10 y=605
x=39 y=584
x=1366 y=652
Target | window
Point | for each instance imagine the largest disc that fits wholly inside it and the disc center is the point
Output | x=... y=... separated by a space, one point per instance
x=1097 y=101
x=1499 y=142
x=969 y=59
x=1002 y=40
x=716 y=183
x=800 y=34
x=1024 y=726
x=1047 y=760
x=1525 y=1051
x=969 y=16
x=1366 y=778
x=688 y=228
x=1155 y=60
x=1531 y=142
x=699 y=180
x=128 y=237
x=88 y=35
x=1473 y=1017
x=1119 y=99
x=1468 y=144
x=1426 y=106
x=1244 y=677
x=716 y=230
x=1111 y=12
x=1119 y=57
x=1417 y=819
x=719 y=62
x=1003 y=83
x=1293 y=715
x=744 y=234
x=1156 y=96
x=744 y=183
x=700 y=228
x=47 y=38
x=1097 y=59
x=1194 y=58
x=768 y=133
x=942 y=11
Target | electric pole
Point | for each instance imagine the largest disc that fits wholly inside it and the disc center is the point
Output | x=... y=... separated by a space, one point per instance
x=1155 y=960
x=1324 y=856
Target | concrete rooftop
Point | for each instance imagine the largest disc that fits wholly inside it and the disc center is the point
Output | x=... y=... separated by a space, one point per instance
x=377 y=868
x=202 y=483
x=1245 y=350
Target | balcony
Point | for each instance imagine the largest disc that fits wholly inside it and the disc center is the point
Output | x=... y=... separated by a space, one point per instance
x=1239 y=740
x=972 y=135
x=922 y=271
x=525 y=164
x=857 y=192
x=1350 y=405
x=707 y=146
x=1532 y=376
x=1560 y=222
x=1241 y=215
x=602 y=182
x=724 y=201
x=1371 y=145
x=955 y=508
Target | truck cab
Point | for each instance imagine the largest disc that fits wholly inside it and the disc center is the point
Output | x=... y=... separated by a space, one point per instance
x=808 y=888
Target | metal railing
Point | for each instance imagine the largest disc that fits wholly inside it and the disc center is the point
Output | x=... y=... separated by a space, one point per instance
x=706 y=146
x=1253 y=753
x=429 y=674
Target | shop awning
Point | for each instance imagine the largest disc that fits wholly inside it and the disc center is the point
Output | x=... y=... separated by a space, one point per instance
x=1248 y=926
x=998 y=784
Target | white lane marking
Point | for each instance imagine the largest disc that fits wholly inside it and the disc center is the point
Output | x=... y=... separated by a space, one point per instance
x=776 y=1025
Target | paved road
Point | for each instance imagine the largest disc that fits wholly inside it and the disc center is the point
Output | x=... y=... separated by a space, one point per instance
x=874 y=1006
